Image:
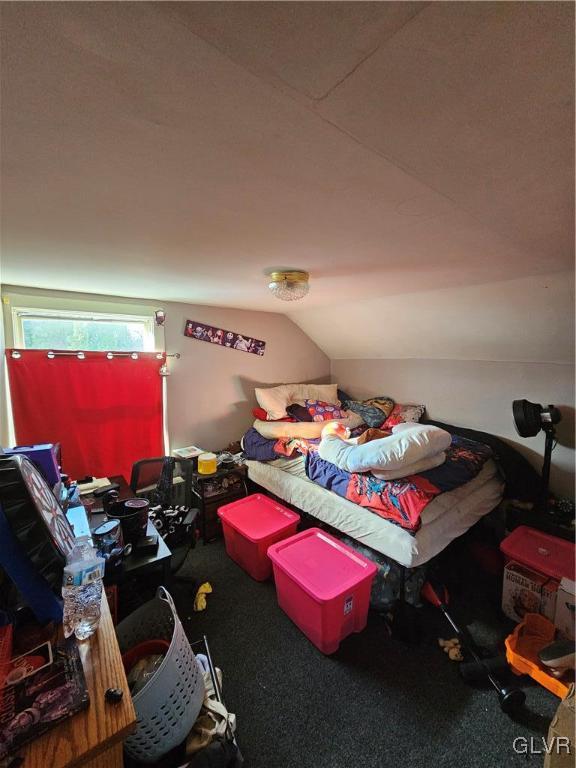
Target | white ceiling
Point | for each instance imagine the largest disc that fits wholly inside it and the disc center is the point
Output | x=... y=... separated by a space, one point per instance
x=178 y=150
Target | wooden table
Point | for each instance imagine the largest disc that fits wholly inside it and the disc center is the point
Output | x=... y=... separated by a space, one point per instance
x=92 y=738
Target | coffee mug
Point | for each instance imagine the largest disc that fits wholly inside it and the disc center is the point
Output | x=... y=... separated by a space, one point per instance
x=133 y=516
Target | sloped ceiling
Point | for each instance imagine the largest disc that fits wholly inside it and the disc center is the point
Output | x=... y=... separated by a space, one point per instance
x=177 y=150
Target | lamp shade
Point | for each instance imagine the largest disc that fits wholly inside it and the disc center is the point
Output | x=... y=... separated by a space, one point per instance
x=530 y=418
x=289 y=285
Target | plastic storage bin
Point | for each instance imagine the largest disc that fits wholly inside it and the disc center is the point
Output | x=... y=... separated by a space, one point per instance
x=168 y=705
x=250 y=526
x=323 y=586
x=540 y=552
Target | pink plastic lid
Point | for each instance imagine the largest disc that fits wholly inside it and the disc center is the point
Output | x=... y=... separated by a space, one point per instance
x=256 y=517
x=541 y=552
x=321 y=564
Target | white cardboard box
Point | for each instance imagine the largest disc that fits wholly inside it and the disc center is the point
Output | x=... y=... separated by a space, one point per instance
x=521 y=591
x=565 y=600
x=548 y=599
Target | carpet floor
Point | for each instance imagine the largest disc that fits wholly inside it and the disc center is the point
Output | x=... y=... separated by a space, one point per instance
x=376 y=702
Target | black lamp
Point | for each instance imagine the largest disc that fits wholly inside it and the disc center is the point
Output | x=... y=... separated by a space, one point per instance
x=529 y=419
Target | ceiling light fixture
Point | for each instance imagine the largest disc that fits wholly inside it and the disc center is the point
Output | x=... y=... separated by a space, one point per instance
x=289 y=285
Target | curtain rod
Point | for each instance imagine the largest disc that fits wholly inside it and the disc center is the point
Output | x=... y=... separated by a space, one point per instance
x=110 y=355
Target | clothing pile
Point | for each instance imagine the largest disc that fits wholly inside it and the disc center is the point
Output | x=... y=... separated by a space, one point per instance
x=390 y=464
x=211 y=743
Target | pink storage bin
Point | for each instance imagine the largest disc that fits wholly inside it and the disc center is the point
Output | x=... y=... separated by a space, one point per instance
x=540 y=552
x=250 y=526
x=323 y=586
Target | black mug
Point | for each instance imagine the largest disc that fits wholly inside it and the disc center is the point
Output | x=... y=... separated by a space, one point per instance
x=133 y=516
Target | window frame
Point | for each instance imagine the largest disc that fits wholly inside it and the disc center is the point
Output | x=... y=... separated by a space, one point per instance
x=21 y=313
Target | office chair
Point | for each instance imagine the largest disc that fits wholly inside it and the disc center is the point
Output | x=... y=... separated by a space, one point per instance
x=154 y=478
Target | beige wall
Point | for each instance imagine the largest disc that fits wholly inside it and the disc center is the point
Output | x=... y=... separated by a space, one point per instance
x=5 y=436
x=476 y=394
x=211 y=390
x=528 y=319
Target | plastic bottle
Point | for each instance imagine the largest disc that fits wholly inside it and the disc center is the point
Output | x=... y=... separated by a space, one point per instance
x=82 y=589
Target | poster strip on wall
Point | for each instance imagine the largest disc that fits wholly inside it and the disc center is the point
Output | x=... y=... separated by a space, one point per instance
x=223 y=338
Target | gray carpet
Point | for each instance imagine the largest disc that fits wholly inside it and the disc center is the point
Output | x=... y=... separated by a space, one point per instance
x=376 y=702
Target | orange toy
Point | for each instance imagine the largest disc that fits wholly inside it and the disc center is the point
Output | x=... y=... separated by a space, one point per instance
x=522 y=647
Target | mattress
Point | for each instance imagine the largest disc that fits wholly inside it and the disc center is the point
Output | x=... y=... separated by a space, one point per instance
x=448 y=515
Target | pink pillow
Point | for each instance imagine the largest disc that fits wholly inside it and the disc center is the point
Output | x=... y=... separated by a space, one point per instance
x=321 y=411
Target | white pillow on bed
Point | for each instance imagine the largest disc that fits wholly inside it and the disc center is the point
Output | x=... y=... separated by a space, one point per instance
x=402 y=448
x=431 y=462
x=307 y=429
x=275 y=399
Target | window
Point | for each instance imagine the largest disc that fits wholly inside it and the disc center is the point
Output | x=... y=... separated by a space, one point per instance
x=48 y=329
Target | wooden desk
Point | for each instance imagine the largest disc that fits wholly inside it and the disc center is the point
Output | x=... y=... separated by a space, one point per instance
x=92 y=738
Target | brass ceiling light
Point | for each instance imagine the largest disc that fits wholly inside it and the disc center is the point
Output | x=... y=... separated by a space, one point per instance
x=289 y=285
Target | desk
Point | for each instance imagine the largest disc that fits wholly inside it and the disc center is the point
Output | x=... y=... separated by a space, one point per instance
x=92 y=738
x=133 y=563
x=142 y=563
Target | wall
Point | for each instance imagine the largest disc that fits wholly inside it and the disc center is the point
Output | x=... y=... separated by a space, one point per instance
x=528 y=319
x=211 y=390
x=5 y=432
x=476 y=394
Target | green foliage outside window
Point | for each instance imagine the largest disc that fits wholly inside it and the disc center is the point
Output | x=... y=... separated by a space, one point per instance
x=58 y=333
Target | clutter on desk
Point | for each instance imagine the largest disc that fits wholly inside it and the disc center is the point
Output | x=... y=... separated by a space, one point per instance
x=133 y=517
x=45 y=458
x=39 y=689
x=82 y=589
x=94 y=484
x=207 y=463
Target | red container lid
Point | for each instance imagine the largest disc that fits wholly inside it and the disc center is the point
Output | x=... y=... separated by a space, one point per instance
x=320 y=564
x=541 y=552
x=257 y=517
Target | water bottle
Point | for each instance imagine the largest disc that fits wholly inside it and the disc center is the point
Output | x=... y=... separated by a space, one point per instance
x=82 y=589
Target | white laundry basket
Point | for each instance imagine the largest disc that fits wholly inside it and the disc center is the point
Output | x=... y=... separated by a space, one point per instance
x=169 y=703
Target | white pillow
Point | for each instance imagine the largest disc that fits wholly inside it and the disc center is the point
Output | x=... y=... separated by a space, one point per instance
x=275 y=399
x=405 y=447
x=431 y=462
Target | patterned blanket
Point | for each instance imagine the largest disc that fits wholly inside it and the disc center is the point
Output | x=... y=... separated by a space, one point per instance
x=402 y=501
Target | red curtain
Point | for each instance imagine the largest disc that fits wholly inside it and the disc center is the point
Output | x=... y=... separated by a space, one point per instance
x=106 y=414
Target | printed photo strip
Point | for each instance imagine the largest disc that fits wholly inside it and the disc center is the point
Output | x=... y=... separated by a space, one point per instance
x=224 y=338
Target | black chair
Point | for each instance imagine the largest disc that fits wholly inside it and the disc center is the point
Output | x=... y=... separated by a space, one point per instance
x=154 y=479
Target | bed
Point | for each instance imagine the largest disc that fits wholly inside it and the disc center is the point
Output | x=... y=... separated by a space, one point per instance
x=446 y=517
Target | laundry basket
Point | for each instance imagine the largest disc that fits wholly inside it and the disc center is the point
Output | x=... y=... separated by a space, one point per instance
x=168 y=705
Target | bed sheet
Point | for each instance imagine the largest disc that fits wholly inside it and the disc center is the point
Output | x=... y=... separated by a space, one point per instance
x=447 y=516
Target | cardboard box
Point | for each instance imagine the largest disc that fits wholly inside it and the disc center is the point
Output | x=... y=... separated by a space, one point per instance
x=561 y=741
x=521 y=591
x=548 y=599
x=565 y=601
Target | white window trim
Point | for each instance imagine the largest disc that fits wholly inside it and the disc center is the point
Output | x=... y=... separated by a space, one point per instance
x=19 y=313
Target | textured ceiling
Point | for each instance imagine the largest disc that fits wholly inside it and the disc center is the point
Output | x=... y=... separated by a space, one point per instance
x=177 y=150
